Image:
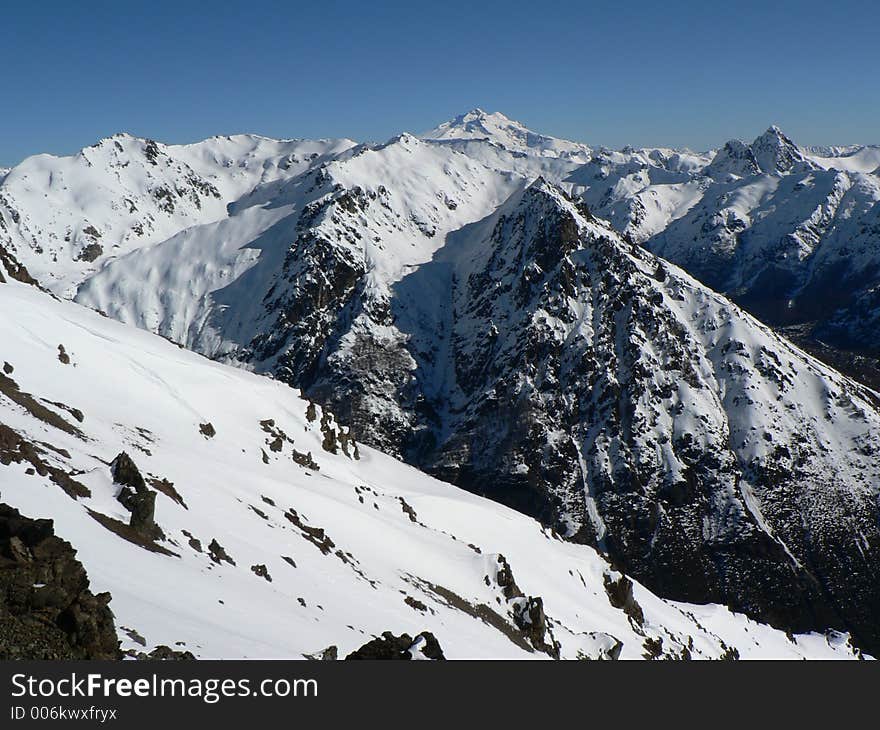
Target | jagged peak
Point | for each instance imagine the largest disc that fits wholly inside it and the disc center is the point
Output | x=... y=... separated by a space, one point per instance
x=775 y=152
x=539 y=190
x=774 y=137
x=772 y=152
x=475 y=113
x=543 y=224
x=775 y=131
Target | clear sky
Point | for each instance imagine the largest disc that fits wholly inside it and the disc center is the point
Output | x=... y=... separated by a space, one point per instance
x=644 y=72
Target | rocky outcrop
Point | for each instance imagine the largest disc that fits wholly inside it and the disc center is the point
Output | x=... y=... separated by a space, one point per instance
x=620 y=595
x=136 y=497
x=389 y=646
x=46 y=608
x=162 y=653
x=330 y=654
x=527 y=611
x=218 y=553
x=14 y=268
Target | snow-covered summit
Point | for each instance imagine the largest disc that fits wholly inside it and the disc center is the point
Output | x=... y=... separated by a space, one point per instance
x=507 y=133
x=771 y=153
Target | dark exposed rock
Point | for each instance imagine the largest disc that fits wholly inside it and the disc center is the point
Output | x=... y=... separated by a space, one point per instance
x=389 y=646
x=305 y=460
x=330 y=654
x=7 y=368
x=90 y=252
x=653 y=648
x=333 y=440
x=133 y=634
x=480 y=611
x=129 y=533
x=46 y=608
x=14 y=268
x=14 y=448
x=193 y=542
x=75 y=412
x=261 y=571
x=63 y=356
x=167 y=488
x=504 y=579
x=528 y=611
x=151 y=151
x=529 y=616
x=10 y=389
x=314 y=535
x=136 y=497
x=207 y=430
x=218 y=553
x=620 y=595
x=125 y=473
x=408 y=510
x=163 y=653
x=415 y=603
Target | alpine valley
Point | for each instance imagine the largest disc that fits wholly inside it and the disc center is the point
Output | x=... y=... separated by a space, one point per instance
x=476 y=393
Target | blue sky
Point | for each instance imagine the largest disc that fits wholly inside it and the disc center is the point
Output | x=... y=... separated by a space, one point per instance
x=640 y=72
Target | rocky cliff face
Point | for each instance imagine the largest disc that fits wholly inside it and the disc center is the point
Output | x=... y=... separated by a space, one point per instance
x=46 y=608
x=541 y=360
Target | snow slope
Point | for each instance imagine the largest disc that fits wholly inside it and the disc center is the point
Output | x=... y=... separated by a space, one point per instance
x=64 y=217
x=353 y=547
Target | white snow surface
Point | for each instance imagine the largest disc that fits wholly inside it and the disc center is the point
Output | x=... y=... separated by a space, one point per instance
x=124 y=193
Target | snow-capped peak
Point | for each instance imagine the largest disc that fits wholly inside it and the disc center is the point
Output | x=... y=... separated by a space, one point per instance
x=775 y=152
x=498 y=129
x=772 y=153
x=477 y=124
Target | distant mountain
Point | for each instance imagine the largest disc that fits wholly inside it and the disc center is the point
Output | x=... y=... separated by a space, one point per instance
x=507 y=133
x=790 y=233
x=65 y=217
x=461 y=302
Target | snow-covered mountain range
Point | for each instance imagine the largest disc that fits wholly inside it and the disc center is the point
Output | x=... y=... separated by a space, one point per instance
x=491 y=306
x=790 y=233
